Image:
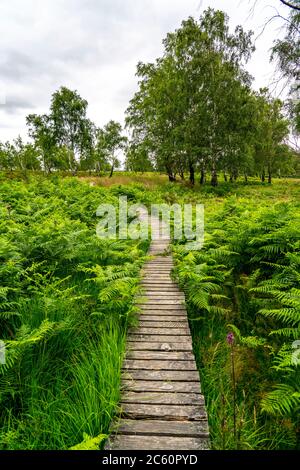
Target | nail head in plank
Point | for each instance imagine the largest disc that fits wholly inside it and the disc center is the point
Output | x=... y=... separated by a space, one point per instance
x=160 y=346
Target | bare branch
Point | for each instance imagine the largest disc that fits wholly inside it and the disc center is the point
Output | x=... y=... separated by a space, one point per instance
x=290 y=5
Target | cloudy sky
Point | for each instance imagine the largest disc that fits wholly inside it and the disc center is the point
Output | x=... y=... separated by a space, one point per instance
x=93 y=46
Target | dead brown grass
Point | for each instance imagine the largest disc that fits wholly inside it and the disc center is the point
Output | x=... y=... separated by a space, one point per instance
x=149 y=180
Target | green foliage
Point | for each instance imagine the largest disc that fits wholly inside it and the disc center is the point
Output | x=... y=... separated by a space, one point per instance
x=195 y=110
x=110 y=142
x=286 y=52
x=89 y=443
x=246 y=280
x=66 y=303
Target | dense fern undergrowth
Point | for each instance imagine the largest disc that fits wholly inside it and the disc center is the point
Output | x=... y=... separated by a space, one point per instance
x=245 y=283
x=67 y=302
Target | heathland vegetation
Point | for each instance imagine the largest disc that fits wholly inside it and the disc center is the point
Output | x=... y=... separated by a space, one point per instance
x=67 y=299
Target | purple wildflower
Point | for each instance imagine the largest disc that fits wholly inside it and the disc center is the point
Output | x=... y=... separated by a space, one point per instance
x=230 y=338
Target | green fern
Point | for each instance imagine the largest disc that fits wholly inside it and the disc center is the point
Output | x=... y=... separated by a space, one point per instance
x=284 y=400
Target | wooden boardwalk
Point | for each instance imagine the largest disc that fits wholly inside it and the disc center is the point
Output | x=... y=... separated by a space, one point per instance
x=162 y=407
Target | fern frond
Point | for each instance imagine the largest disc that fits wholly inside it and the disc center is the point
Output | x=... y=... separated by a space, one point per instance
x=283 y=401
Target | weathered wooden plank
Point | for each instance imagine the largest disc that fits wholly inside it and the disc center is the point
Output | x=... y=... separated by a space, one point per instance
x=161 y=265
x=161 y=286
x=165 y=294
x=149 y=276
x=164 y=287
x=156 y=268
x=162 y=331
x=160 y=345
x=163 y=324
x=134 y=336
x=160 y=298
x=150 y=318
x=161 y=290
x=159 y=364
x=172 y=323
x=138 y=442
x=149 y=306
x=164 y=264
x=163 y=315
x=157 y=282
x=158 y=244
x=167 y=286
x=161 y=242
x=171 y=314
x=162 y=301
x=164 y=375
x=160 y=355
x=163 y=398
x=156 y=385
x=176 y=412
x=162 y=428
x=159 y=261
x=160 y=275
x=153 y=272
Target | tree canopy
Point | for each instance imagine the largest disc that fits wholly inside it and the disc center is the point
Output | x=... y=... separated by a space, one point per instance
x=195 y=109
x=194 y=113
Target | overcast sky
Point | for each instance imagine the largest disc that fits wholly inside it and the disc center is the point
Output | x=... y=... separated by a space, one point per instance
x=93 y=46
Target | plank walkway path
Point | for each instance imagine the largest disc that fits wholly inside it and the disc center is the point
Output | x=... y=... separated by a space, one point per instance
x=162 y=407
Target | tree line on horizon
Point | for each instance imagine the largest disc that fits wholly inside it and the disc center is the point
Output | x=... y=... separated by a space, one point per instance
x=195 y=112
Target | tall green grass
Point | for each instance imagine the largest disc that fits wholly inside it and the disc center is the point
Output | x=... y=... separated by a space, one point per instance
x=246 y=280
x=67 y=301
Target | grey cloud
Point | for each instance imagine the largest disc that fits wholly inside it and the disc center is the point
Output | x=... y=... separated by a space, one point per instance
x=89 y=45
x=14 y=105
x=15 y=65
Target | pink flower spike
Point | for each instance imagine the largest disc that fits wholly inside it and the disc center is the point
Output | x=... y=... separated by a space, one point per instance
x=230 y=338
